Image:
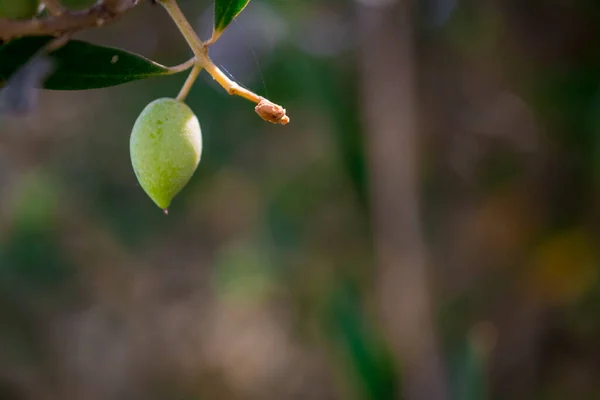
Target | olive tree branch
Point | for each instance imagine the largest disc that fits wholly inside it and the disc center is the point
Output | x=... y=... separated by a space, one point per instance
x=55 y=8
x=266 y=109
x=101 y=13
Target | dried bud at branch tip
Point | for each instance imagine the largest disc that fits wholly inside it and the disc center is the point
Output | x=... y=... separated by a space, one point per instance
x=271 y=112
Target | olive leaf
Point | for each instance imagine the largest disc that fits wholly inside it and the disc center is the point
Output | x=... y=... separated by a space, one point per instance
x=79 y=65
x=225 y=12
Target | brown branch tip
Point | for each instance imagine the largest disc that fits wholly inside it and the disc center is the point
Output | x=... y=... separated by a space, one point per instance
x=271 y=112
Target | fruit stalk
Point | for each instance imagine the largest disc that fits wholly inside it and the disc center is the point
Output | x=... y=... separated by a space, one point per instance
x=189 y=82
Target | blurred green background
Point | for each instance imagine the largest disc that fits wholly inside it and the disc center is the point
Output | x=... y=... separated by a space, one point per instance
x=426 y=227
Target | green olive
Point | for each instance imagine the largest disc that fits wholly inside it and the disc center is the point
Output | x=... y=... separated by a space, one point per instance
x=18 y=9
x=165 y=146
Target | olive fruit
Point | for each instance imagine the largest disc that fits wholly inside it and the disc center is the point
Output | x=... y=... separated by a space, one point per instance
x=165 y=147
x=18 y=9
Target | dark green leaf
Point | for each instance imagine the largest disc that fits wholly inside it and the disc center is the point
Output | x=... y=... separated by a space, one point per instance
x=226 y=11
x=79 y=65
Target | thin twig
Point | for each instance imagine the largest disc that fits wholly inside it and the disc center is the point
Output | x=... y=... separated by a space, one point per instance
x=266 y=109
x=54 y=7
x=230 y=86
x=189 y=82
x=56 y=43
x=183 y=66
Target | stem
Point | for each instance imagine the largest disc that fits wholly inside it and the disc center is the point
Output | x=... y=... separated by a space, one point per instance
x=54 y=7
x=183 y=66
x=56 y=44
x=215 y=36
x=189 y=82
x=230 y=86
x=267 y=110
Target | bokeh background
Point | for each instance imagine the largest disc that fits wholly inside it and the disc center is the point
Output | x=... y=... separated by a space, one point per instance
x=426 y=227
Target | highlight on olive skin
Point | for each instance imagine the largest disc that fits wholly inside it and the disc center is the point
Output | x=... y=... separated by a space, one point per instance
x=165 y=147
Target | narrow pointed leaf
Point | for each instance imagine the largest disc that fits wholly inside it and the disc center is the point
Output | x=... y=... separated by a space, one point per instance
x=225 y=12
x=79 y=65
